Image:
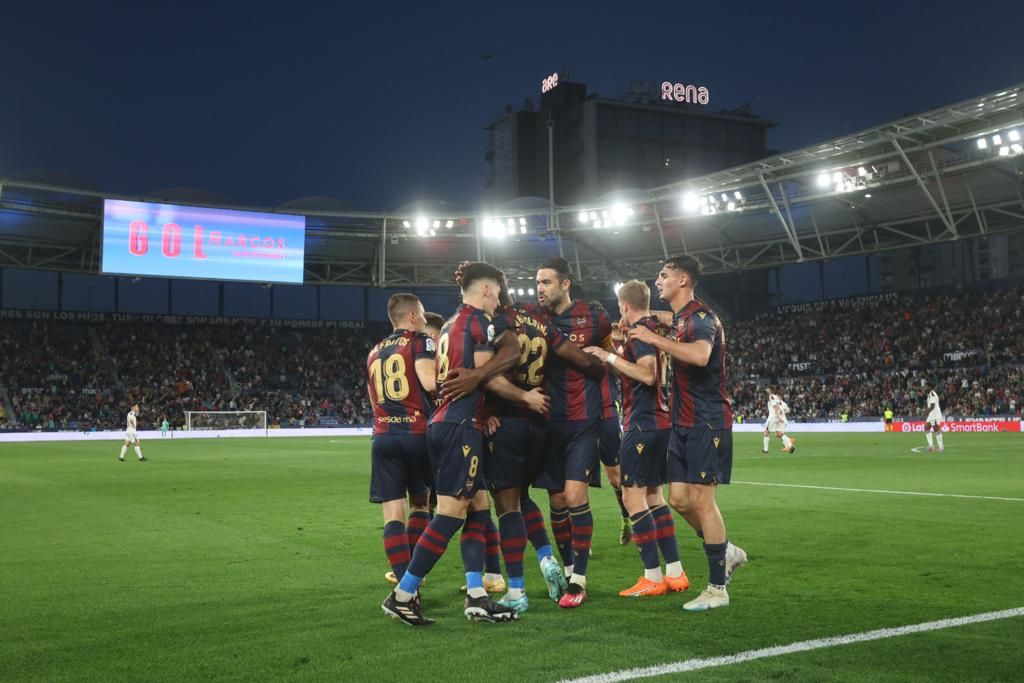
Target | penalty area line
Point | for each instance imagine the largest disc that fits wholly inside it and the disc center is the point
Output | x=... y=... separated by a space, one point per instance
x=895 y=493
x=802 y=646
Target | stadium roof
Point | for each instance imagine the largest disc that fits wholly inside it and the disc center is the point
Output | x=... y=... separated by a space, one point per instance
x=941 y=175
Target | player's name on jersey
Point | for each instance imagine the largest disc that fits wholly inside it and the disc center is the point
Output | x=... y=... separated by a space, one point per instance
x=17 y=313
x=397 y=341
x=532 y=321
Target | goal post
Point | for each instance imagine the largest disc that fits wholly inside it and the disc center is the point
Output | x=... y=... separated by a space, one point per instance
x=209 y=420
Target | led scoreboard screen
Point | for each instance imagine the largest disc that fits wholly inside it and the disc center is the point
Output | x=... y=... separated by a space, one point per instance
x=140 y=238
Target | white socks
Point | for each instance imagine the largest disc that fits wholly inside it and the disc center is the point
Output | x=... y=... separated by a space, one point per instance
x=581 y=580
x=654 y=575
x=931 y=443
x=124 y=449
x=767 y=443
x=674 y=569
x=138 y=452
x=938 y=437
x=786 y=441
x=515 y=593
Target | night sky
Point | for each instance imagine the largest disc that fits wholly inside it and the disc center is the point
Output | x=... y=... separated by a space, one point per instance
x=379 y=107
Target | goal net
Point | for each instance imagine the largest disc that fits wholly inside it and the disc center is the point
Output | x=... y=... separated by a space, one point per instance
x=208 y=420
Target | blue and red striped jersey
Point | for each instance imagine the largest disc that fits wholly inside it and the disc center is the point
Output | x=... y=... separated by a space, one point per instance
x=574 y=395
x=537 y=338
x=400 y=403
x=646 y=407
x=468 y=331
x=699 y=396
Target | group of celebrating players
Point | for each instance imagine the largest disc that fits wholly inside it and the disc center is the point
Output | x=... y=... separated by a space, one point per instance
x=506 y=396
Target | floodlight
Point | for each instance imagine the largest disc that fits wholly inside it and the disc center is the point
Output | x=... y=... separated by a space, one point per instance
x=405 y=224
x=690 y=202
x=1014 y=136
x=583 y=217
x=997 y=139
x=1004 y=151
x=617 y=287
x=449 y=224
x=823 y=180
x=982 y=143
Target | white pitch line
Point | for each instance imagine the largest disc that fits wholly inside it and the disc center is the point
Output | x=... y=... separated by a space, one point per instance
x=802 y=646
x=898 y=493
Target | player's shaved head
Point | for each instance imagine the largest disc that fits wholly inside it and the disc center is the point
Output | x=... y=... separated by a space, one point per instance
x=635 y=294
x=400 y=306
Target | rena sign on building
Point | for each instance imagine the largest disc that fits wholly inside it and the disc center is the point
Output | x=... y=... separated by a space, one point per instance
x=549 y=83
x=680 y=92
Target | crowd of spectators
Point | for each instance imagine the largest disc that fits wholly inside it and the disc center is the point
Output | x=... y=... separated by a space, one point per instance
x=853 y=358
x=862 y=356
x=83 y=376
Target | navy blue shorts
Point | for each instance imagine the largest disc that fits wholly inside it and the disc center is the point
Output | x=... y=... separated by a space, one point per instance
x=399 y=466
x=644 y=457
x=457 y=458
x=611 y=436
x=570 y=453
x=516 y=454
x=700 y=455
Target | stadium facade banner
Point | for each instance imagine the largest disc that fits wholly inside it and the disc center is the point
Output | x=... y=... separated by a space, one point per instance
x=85 y=316
x=962 y=426
x=846 y=302
x=168 y=240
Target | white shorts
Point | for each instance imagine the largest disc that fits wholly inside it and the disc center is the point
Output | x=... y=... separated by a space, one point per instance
x=131 y=436
x=934 y=419
x=776 y=425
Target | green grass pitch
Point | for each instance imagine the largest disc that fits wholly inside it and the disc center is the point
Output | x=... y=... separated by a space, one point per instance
x=261 y=559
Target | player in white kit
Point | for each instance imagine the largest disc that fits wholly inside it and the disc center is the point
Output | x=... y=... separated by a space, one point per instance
x=933 y=423
x=777 y=421
x=131 y=437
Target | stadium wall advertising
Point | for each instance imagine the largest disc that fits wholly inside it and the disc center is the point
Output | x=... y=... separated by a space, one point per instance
x=143 y=238
x=962 y=426
x=88 y=316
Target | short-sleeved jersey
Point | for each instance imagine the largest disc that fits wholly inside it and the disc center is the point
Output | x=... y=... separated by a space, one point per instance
x=699 y=396
x=400 y=403
x=646 y=407
x=130 y=422
x=574 y=395
x=777 y=408
x=468 y=331
x=537 y=338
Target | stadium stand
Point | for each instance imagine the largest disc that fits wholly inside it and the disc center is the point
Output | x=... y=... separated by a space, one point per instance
x=856 y=358
x=862 y=358
x=78 y=376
